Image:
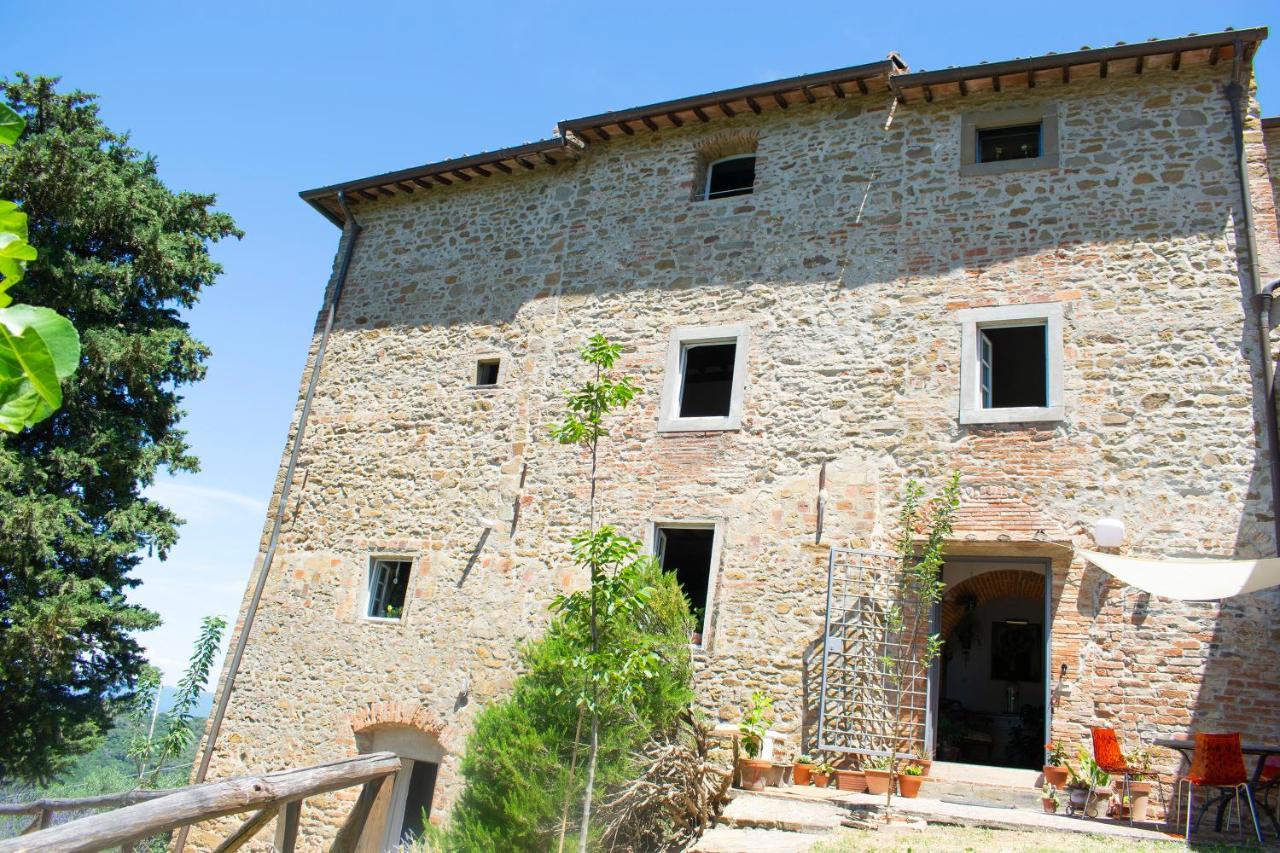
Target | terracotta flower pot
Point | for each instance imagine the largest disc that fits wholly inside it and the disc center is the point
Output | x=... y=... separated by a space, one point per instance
x=909 y=786
x=851 y=780
x=821 y=780
x=1050 y=805
x=754 y=772
x=1139 y=795
x=800 y=773
x=1055 y=775
x=878 y=781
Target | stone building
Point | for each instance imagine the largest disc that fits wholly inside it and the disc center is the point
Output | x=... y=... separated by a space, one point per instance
x=1033 y=272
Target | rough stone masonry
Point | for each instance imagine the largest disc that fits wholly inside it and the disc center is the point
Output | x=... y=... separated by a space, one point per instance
x=847 y=266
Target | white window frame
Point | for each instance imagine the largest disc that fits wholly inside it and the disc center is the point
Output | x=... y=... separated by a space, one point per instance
x=367 y=597
x=974 y=356
x=716 y=525
x=711 y=167
x=683 y=337
x=408 y=747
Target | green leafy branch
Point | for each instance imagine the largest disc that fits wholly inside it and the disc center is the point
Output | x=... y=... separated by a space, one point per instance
x=38 y=347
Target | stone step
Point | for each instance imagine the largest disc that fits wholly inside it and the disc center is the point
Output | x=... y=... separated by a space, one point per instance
x=976 y=794
x=982 y=774
x=729 y=839
x=770 y=811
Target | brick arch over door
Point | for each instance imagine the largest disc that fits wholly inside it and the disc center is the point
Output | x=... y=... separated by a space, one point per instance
x=988 y=586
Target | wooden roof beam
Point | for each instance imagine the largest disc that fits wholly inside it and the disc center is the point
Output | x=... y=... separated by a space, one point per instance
x=1066 y=74
x=482 y=171
x=1031 y=79
x=1215 y=55
x=602 y=133
x=1137 y=68
x=423 y=184
x=1102 y=69
x=441 y=179
x=675 y=119
x=650 y=123
x=755 y=107
x=370 y=196
x=726 y=109
x=389 y=193
x=928 y=94
x=995 y=82
x=862 y=86
x=546 y=158
x=964 y=88
x=523 y=162
x=808 y=96
x=779 y=100
x=838 y=89
x=702 y=116
x=503 y=168
x=403 y=187
x=462 y=175
x=1177 y=60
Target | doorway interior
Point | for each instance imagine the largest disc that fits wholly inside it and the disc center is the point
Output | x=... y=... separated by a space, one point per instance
x=991 y=683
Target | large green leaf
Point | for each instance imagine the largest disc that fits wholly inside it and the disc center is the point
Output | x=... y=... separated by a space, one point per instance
x=12 y=219
x=38 y=348
x=11 y=125
x=56 y=331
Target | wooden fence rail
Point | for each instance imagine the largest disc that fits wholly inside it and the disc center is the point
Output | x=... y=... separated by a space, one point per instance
x=163 y=811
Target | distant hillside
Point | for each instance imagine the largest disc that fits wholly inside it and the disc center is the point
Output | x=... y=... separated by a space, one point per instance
x=202 y=709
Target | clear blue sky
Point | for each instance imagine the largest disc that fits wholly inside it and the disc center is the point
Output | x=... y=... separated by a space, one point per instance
x=255 y=101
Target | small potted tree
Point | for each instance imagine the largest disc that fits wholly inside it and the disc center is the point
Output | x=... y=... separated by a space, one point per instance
x=754 y=770
x=879 y=773
x=822 y=774
x=803 y=770
x=1089 y=787
x=1055 y=772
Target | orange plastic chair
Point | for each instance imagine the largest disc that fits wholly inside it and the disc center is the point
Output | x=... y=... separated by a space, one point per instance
x=1109 y=756
x=1218 y=762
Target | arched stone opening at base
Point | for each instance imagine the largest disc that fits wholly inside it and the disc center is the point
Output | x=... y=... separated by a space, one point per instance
x=405 y=802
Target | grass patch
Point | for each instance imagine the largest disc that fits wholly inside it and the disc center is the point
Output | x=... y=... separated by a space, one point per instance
x=960 y=839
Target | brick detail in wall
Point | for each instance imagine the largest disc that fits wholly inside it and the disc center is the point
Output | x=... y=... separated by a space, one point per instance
x=988 y=586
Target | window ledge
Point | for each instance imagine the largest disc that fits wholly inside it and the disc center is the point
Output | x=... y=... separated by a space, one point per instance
x=383 y=620
x=700 y=425
x=1022 y=414
x=1004 y=167
x=482 y=387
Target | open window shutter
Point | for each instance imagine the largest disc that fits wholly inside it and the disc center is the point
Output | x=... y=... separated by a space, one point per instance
x=662 y=548
x=378 y=592
x=984 y=357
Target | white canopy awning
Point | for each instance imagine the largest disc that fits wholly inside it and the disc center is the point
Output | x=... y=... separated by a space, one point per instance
x=1190 y=580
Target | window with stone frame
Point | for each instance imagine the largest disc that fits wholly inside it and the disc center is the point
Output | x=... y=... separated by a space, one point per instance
x=1018 y=139
x=1011 y=364
x=725 y=165
x=691 y=551
x=705 y=379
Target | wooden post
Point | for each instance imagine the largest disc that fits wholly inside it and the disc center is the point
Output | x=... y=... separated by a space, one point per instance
x=349 y=835
x=287 y=828
x=247 y=830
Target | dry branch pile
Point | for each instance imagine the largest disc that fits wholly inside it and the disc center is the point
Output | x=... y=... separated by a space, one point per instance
x=676 y=798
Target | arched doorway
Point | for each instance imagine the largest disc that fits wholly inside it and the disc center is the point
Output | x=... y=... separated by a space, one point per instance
x=403 y=807
x=990 y=681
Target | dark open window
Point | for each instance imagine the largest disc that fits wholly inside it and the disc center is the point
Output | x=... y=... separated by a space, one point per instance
x=417 y=801
x=731 y=176
x=487 y=371
x=1018 y=142
x=686 y=552
x=1015 y=361
x=388 y=583
x=706 y=389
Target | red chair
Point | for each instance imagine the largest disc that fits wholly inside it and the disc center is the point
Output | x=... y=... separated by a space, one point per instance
x=1109 y=756
x=1218 y=762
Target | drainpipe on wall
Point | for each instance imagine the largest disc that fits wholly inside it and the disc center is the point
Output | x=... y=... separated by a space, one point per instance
x=1235 y=92
x=352 y=230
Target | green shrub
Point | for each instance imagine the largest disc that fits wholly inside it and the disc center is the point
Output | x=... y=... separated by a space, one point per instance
x=519 y=754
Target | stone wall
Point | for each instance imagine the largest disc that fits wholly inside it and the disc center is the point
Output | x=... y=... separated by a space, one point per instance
x=848 y=265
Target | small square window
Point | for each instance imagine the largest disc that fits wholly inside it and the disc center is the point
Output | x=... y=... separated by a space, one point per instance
x=388 y=584
x=731 y=176
x=487 y=371
x=1018 y=142
x=1011 y=364
x=705 y=379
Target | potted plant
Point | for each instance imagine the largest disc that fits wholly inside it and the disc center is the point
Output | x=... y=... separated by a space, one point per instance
x=803 y=770
x=1049 y=798
x=921 y=760
x=1088 y=787
x=879 y=773
x=822 y=774
x=1140 y=783
x=753 y=770
x=910 y=780
x=1055 y=772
